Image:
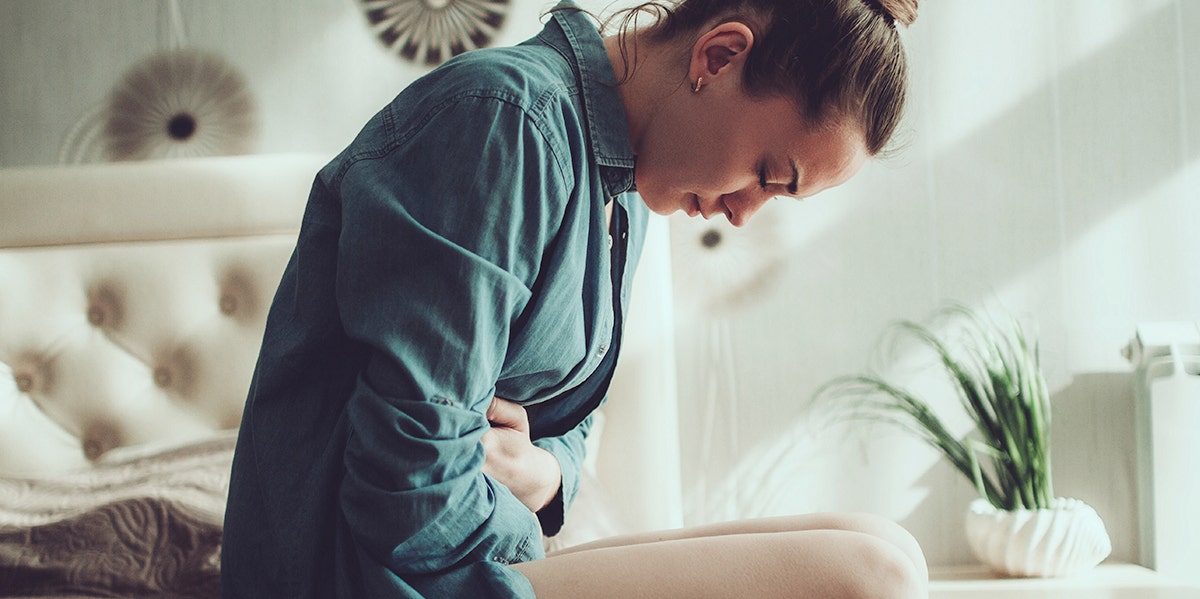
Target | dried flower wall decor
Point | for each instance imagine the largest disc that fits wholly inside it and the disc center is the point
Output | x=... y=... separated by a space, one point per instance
x=180 y=103
x=433 y=31
x=719 y=269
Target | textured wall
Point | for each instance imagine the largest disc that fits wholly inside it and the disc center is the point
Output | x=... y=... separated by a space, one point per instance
x=315 y=67
x=1050 y=163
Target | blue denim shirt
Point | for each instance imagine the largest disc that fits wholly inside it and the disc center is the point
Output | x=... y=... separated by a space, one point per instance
x=455 y=251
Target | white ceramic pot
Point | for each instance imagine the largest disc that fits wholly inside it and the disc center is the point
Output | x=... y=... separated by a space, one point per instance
x=1067 y=538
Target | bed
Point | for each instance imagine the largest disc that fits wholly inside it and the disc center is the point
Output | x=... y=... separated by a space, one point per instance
x=132 y=302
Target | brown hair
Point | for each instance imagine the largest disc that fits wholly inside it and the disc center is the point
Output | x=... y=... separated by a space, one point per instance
x=836 y=58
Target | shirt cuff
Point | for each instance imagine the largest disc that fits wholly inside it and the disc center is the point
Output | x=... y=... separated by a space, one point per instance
x=553 y=515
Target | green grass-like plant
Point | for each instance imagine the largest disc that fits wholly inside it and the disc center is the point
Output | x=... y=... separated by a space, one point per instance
x=996 y=371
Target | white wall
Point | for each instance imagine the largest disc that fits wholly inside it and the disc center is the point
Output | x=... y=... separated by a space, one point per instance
x=315 y=67
x=1050 y=164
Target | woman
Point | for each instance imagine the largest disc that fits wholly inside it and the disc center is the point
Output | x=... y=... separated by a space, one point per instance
x=476 y=242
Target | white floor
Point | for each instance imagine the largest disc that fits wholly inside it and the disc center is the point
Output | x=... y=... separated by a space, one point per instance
x=1108 y=581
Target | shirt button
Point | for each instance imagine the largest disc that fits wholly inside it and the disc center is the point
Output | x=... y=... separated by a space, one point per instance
x=603 y=348
x=610 y=242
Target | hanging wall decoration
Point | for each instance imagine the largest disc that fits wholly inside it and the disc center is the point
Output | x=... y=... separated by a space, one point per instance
x=180 y=103
x=719 y=271
x=718 y=268
x=433 y=31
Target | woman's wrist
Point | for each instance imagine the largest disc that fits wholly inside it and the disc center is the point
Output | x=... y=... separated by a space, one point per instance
x=549 y=480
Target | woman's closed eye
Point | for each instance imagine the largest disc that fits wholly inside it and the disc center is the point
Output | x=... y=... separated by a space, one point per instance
x=766 y=180
x=780 y=189
x=765 y=177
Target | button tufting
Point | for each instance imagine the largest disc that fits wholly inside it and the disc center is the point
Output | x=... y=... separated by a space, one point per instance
x=98 y=438
x=92 y=449
x=24 y=382
x=103 y=307
x=237 y=297
x=228 y=304
x=162 y=376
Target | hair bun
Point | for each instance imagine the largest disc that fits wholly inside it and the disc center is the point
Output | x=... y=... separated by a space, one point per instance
x=903 y=12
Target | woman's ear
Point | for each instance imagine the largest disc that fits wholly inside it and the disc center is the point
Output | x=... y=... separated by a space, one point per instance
x=723 y=46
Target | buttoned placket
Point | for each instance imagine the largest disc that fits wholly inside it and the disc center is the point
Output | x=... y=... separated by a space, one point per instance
x=618 y=253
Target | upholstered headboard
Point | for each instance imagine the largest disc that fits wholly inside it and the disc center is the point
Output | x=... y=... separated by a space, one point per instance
x=133 y=298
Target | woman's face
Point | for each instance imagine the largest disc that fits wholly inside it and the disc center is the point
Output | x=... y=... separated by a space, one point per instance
x=720 y=152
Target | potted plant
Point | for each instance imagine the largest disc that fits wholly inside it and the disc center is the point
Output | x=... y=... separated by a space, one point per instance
x=1016 y=526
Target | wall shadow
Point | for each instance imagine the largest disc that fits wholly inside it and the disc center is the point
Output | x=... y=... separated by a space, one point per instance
x=1093 y=430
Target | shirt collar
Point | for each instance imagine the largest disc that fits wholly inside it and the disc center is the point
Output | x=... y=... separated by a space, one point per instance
x=607 y=124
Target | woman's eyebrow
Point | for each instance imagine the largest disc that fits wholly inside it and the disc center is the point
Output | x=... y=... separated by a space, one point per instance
x=794 y=185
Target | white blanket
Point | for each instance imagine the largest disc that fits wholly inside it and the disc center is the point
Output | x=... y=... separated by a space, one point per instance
x=144 y=524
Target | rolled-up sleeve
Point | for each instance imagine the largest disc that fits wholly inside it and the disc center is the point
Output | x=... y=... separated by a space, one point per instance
x=440 y=243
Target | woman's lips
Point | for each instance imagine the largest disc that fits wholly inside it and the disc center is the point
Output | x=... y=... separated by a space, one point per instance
x=694 y=208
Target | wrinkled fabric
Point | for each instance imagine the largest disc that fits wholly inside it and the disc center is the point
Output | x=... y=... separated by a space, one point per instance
x=455 y=251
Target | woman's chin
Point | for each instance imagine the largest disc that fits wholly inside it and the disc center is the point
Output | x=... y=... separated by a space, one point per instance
x=665 y=208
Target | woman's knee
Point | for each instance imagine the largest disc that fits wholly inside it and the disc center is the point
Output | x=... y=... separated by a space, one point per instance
x=852 y=565
x=887 y=530
x=890 y=571
x=874 y=557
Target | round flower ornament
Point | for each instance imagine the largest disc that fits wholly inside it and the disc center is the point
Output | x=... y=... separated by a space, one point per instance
x=433 y=31
x=718 y=269
x=179 y=103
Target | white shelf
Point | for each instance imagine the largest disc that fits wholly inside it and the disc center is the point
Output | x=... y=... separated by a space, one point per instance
x=1107 y=581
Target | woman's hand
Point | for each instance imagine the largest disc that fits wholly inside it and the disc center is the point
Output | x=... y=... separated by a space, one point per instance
x=530 y=472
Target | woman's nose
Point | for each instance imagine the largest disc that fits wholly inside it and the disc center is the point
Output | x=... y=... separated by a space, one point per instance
x=741 y=206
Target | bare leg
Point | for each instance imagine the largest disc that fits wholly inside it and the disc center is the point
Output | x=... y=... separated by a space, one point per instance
x=819 y=555
x=870 y=524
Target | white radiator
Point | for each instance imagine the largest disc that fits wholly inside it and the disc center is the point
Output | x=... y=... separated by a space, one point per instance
x=1167 y=358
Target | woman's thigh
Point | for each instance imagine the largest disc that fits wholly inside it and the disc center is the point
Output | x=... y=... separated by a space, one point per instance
x=870 y=524
x=819 y=555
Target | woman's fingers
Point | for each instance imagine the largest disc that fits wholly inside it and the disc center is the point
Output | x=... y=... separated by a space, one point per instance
x=530 y=472
x=507 y=414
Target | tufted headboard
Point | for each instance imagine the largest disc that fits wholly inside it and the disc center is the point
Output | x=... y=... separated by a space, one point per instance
x=133 y=298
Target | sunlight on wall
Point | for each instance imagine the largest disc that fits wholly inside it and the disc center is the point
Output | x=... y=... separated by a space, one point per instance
x=1035 y=44
x=1137 y=264
x=1004 y=63
x=823 y=462
x=1086 y=26
x=720 y=269
x=1048 y=175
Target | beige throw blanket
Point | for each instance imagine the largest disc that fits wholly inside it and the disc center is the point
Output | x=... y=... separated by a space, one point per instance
x=144 y=524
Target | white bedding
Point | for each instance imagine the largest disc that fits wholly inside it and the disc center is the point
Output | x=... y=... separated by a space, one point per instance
x=146 y=524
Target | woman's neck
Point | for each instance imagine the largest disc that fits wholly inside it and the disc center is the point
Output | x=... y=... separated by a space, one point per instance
x=647 y=77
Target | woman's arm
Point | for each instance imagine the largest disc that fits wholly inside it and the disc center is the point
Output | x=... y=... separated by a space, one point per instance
x=441 y=235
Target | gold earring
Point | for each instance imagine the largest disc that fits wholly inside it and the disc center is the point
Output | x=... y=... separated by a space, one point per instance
x=699 y=82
